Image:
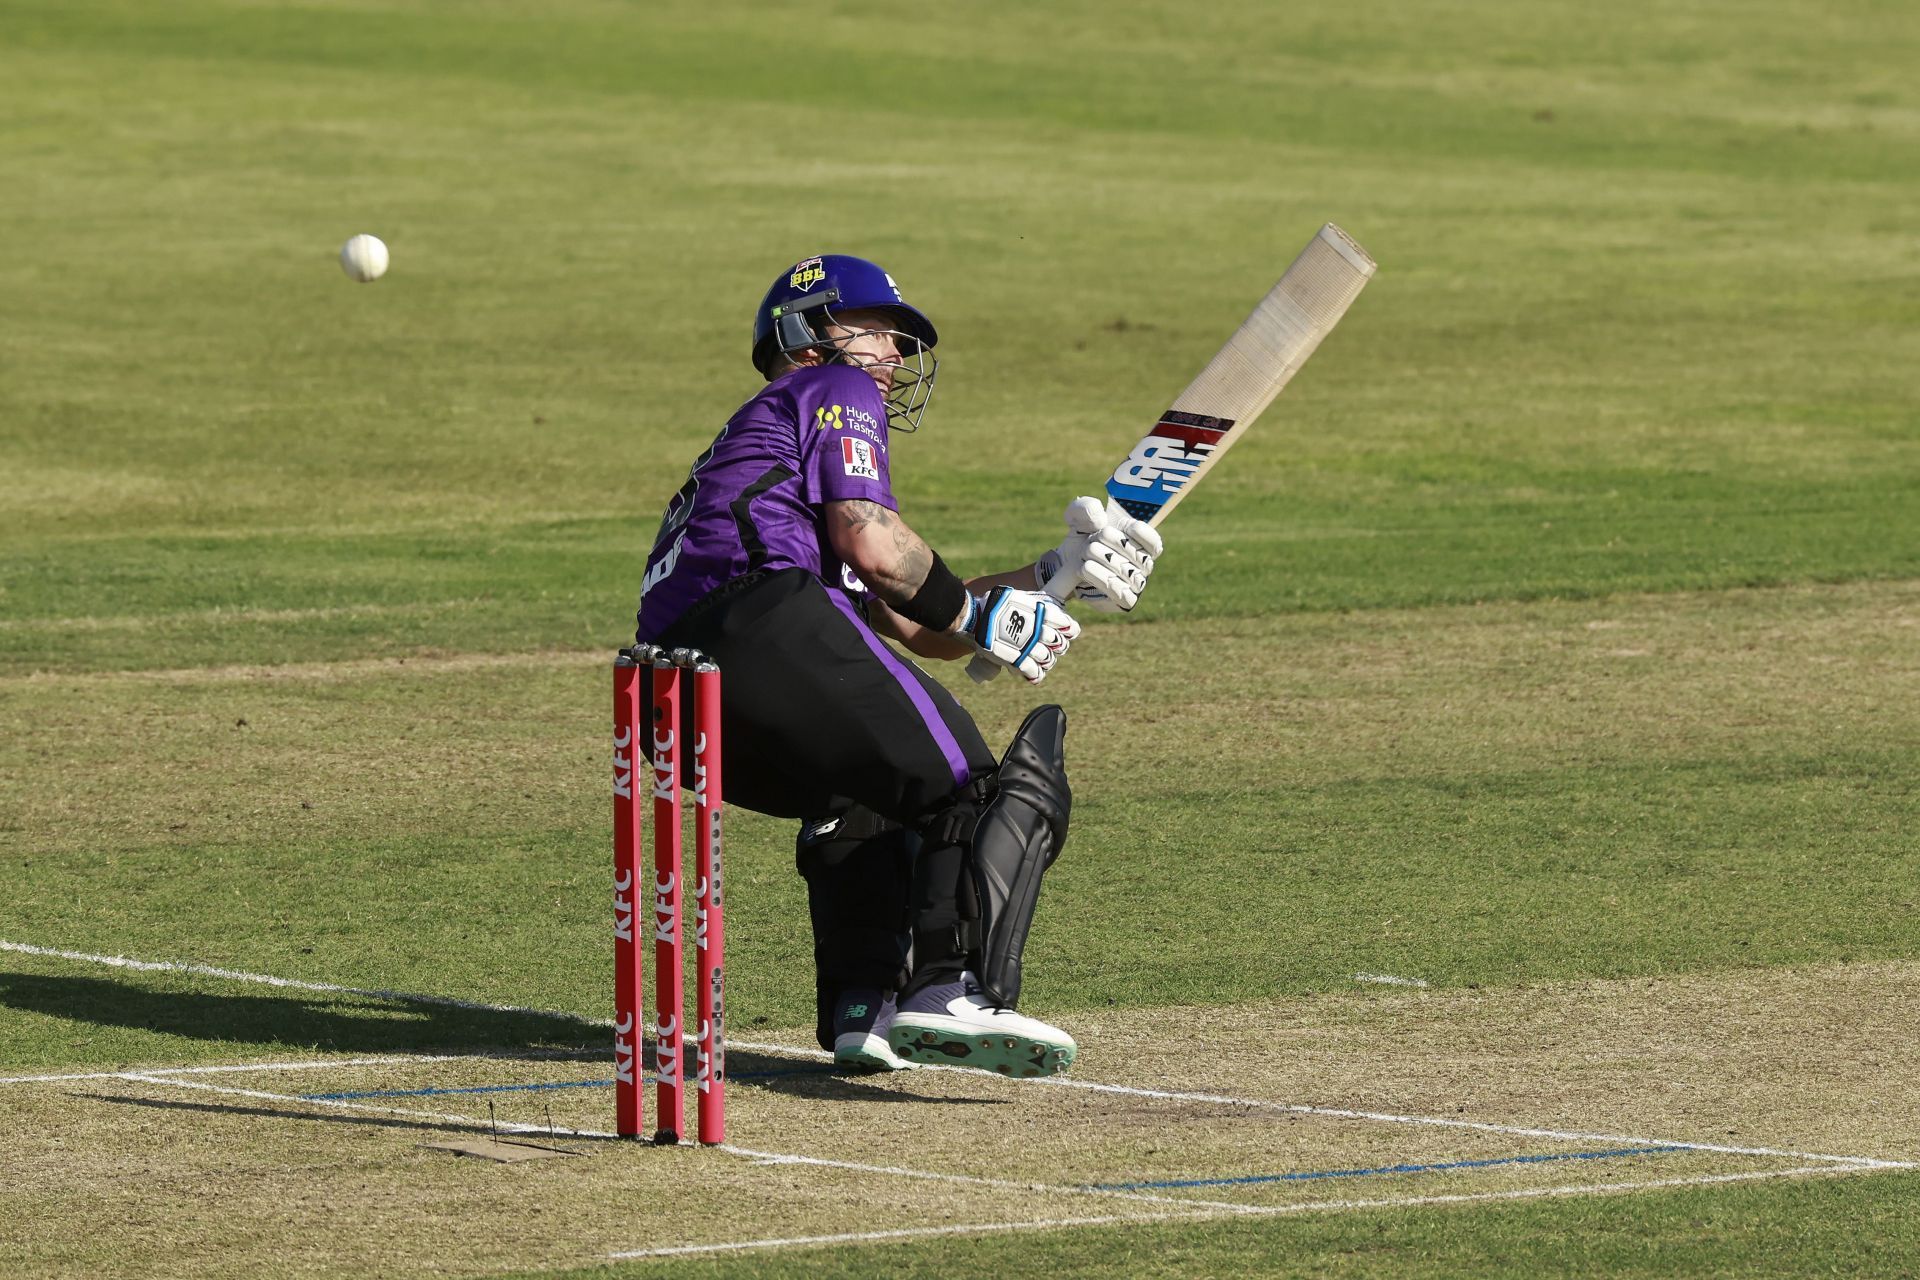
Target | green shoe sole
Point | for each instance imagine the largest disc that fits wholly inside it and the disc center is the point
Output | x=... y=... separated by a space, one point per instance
x=931 y=1039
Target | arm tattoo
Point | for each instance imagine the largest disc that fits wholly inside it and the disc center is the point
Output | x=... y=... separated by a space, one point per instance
x=905 y=571
x=916 y=557
x=859 y=513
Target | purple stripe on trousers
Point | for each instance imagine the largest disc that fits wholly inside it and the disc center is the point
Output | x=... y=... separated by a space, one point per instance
x=916 y=692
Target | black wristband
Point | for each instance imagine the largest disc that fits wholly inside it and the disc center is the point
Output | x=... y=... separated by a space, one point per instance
x=938 y=601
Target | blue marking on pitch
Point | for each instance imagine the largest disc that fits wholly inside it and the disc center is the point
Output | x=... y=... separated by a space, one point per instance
x=530 y=1088
x=1392 y=1168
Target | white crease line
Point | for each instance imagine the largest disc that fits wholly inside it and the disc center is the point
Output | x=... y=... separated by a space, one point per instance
x=761 y=1157
x=1208 y=1208
x=968 y=1179
x=199 y=1071
x=1201 y=1209
x=1479 y=1126
x=1062 y=1082
x=903 y=1233
x=439 y=1117
x=1389 y=980
x=450 y=1119
x=319 y=1064
x=1305 y=1109
x=236 y=975
x=1328 y=1206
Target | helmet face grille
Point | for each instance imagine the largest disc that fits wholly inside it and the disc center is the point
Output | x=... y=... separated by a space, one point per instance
x=912 y=386
x=912 y=383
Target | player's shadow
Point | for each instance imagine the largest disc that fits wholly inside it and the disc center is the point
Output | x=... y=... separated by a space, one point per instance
x=827 y=1082
x=326 y=1022
x=343 y=1023
x=258 y=1110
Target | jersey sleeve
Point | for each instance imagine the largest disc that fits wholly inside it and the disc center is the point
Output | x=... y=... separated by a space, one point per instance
x=843 y=438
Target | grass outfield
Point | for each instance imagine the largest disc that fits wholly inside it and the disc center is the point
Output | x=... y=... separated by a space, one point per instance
x=1561 y=625
x=1853 y=1230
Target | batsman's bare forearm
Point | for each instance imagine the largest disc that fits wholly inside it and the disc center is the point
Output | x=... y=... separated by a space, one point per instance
x=923 y=642
x=1021 y=579
x=878 y=545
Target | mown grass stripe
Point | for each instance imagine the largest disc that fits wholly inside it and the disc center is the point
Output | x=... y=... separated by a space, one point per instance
x=1311 y=1175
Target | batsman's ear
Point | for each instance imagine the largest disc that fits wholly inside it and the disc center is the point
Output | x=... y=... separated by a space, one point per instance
x=794 y=331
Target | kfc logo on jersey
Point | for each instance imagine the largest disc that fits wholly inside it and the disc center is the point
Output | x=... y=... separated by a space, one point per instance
x=856 y=456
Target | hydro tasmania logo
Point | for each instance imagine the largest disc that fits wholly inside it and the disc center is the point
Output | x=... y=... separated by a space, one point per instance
x=827 y=418
x=866 y=424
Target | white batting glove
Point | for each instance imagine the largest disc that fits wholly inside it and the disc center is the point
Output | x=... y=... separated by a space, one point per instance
x=1025 y=630
x=1107 y=555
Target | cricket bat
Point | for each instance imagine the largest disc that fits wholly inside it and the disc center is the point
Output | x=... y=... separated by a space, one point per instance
x=1233 y=390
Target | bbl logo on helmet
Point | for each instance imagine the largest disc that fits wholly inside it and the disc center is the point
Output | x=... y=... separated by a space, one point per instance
x=806 y=274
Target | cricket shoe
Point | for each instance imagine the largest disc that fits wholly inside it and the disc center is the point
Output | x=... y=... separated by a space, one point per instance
x=958 y=1024
x=862 y=1017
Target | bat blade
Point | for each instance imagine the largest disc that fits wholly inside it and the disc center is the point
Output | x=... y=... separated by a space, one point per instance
x=1235 y=388
x=1244 y=377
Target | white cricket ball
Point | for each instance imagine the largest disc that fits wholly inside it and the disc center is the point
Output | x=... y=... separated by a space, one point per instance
x=364 y=258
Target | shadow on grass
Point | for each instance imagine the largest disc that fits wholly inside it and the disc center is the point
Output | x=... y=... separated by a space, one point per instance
x=340 y=1024
x=364 y=1024
x=828 y=1083
x=824 y=1087
x=321 y=1117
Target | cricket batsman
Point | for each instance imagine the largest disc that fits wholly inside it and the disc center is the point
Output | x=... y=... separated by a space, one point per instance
x=784 y=556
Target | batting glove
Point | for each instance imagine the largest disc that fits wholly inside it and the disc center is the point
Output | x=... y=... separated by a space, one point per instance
x=1025 y=630
x=1107 y=555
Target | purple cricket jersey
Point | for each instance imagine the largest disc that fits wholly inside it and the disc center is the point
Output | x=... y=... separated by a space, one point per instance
x=753 y=500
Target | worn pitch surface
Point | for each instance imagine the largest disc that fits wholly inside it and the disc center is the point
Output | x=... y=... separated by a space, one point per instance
x=1362 y=1102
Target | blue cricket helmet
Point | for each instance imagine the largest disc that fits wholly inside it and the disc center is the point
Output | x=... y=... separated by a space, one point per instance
x=806 y=291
